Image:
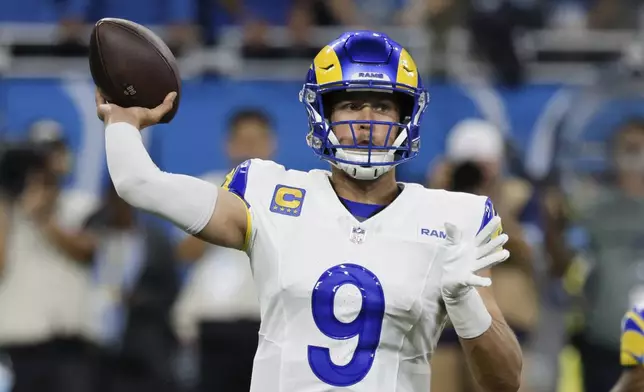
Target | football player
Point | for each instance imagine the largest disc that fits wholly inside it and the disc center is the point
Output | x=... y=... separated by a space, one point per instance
x=356 y=272
x=632 y=352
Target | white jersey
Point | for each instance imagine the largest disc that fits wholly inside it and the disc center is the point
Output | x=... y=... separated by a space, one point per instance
x=346 y=305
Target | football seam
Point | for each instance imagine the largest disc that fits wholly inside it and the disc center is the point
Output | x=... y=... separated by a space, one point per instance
x=136 y=33
x=100 y=58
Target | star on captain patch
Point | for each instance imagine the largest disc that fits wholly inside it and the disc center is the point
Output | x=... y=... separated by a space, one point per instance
x=357 y=235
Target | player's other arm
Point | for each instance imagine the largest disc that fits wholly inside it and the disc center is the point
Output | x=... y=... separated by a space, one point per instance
x=191 y=249
x=494 y=357
x=490 y=346
x=196 y=206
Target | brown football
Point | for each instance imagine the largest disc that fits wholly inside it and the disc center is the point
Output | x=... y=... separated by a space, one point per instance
x=132 y=66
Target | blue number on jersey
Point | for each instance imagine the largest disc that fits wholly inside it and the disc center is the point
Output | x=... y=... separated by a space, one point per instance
x=366 y=326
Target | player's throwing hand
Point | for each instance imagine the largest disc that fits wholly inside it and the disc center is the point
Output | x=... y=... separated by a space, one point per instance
x=465 y=258
x=136 y=116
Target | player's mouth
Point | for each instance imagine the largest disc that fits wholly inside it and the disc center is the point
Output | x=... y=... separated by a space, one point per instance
x=362 y=146
x=358 y=144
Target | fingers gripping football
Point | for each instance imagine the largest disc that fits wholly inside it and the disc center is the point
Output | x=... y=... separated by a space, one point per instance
x=136 y=116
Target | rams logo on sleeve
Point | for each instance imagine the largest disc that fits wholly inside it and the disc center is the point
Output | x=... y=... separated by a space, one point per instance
x=488 y=214
x=237 y=180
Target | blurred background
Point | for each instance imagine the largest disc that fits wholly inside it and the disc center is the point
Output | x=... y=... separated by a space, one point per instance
x=535 y=103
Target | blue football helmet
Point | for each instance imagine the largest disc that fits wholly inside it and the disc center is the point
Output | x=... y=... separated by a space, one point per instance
x=364 y=61
x=632 y=344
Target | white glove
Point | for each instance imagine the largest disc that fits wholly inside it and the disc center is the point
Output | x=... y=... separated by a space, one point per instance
x=463 y=259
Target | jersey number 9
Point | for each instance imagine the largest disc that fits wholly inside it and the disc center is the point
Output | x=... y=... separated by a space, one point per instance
x=367 y=325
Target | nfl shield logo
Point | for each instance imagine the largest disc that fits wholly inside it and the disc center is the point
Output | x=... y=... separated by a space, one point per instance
x=357 y=235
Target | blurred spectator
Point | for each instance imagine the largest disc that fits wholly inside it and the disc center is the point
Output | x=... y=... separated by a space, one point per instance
x=377 y=13
x=479 y=145
x=179 y=16
x=417 y=12
x=48 y=135
x=218 y=309
x=594 y=14
x=474 y=163
x=569 y=14
x=71 y=26
x=72 y=16
x=36 y=11
x=294 y=14
x=45 y=276
x=611 y=14
x=135 y=285
x=69 y=14
x=255 y=17
x=493 y=24
x=610 y=266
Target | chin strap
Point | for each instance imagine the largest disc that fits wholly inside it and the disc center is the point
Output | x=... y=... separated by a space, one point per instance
x=362 y=173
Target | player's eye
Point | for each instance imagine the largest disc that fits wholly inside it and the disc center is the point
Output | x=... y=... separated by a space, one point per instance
x=381 y=107
x=384 y=106
x=350 y=105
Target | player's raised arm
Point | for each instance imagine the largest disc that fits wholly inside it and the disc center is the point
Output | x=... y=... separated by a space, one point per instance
x=196 y=206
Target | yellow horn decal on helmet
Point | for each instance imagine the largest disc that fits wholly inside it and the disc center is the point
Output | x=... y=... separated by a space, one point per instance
x=327 y=66
x=407 y=71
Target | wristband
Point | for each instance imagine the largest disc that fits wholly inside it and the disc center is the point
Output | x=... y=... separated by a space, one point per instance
x=468 y=314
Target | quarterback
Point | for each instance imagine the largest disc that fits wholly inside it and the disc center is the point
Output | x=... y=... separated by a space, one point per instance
x=356 y=273
x=632 y=352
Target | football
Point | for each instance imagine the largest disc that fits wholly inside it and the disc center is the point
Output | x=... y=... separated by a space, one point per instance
x=132 y=66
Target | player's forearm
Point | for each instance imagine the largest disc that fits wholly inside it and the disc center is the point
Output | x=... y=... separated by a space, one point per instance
x=491 y=348
x=187 y=201
x=191 y=249
x=632 y=380
x=495 y=358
